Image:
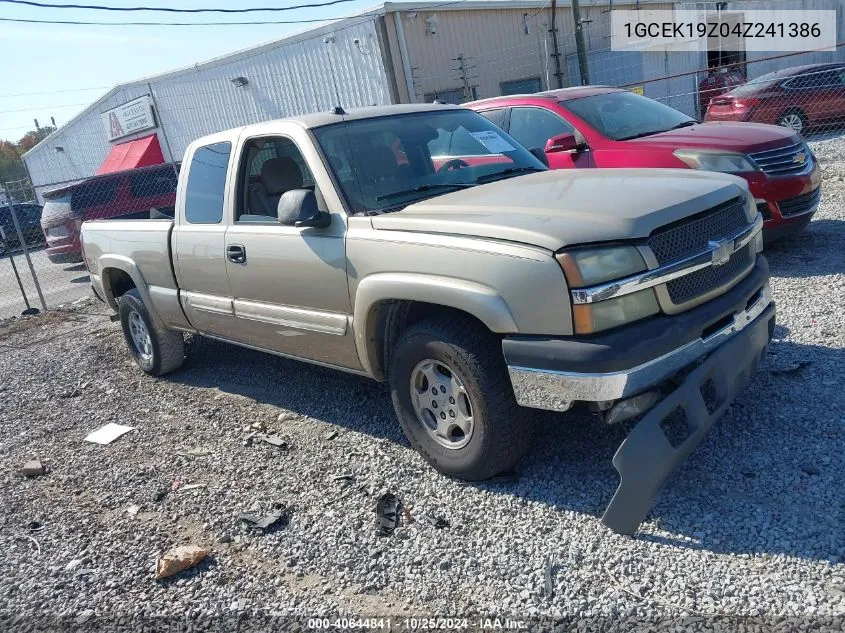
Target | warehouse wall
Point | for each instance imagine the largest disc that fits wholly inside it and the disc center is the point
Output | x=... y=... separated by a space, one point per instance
x=299 y=75
x=504 y=45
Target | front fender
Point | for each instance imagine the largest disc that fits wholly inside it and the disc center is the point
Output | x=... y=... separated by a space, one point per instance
x=476 y=299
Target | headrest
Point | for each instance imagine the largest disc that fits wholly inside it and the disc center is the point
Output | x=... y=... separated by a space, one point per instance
x=280 y=174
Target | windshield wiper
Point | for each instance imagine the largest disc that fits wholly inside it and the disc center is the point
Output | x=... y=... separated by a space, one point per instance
x=421 y=188
x=652 y=132
x=510 y=171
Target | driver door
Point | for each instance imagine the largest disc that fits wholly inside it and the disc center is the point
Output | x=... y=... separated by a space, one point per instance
x=288 y=283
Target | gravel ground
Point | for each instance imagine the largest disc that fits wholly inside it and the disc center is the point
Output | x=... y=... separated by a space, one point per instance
x=751 y=526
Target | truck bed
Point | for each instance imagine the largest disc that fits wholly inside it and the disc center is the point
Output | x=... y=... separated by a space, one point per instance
x=144 y=242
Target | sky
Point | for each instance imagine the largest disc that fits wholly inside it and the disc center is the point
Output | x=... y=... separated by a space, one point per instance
x=52 y=70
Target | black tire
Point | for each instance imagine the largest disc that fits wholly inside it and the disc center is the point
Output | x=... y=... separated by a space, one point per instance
x=167 y=346
x=502 y=432
x=784 y=119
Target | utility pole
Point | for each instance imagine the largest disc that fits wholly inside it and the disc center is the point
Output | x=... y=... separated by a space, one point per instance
x=462 y=68
x=583 y=68
x=555 y=46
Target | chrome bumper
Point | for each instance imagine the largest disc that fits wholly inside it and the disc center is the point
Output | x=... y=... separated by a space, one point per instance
x=558 y=390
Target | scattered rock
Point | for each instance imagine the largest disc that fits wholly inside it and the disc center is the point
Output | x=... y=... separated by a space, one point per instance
x=72 y=565
x=179 y=559
x=32 y=468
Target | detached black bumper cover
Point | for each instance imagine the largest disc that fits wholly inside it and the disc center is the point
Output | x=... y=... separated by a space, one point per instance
x=648 y=456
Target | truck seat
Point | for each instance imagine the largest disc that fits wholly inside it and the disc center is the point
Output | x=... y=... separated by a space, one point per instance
x=277 y=176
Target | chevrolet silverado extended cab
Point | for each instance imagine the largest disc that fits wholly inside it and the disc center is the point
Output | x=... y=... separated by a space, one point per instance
x=423 y=246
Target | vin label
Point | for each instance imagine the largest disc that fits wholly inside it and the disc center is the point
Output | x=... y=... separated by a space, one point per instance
x=687 y=30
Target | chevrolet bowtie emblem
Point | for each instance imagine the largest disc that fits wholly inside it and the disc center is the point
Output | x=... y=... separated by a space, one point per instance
x=721 y=251
x=800 y=158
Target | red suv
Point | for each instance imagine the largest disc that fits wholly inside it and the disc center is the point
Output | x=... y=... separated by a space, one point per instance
x=797 y=98
x=600 y=126
x=131 y=193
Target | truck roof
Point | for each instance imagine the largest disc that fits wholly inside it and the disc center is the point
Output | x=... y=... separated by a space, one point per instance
x=319 y=119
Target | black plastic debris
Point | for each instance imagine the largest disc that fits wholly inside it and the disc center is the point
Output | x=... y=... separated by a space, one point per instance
x=549 y=585
x=272 y=440
x=794 y=368
x=439 y=522
x=387 y=514
x=263 y=522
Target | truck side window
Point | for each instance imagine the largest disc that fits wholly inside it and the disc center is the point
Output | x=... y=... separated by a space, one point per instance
x=273 y=165
x=206 y=184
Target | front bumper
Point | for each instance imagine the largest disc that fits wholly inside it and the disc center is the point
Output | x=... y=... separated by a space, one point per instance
x=553 y=373
x=714 y=350
x=771 y=192
x=667 y=434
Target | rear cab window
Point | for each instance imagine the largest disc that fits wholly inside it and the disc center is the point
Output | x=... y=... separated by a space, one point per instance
x=207 y=183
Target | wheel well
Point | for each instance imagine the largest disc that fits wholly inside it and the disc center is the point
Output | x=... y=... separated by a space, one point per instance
x=793 y=110
x=118 y=282
x=388 y=319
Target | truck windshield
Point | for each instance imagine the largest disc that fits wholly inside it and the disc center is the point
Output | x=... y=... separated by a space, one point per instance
x=624 y=115
x=385 y=163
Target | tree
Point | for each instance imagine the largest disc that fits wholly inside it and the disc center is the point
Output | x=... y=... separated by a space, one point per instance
x=34 y=137
x=11 y=166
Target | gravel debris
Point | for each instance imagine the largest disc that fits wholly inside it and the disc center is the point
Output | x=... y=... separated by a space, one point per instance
x=751 y=525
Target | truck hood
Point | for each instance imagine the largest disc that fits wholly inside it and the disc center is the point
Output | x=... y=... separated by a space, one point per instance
x=553 y=209
x=728 y=136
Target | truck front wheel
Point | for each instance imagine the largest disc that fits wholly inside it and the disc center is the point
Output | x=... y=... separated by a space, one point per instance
x=156 y=350
x=454 y=400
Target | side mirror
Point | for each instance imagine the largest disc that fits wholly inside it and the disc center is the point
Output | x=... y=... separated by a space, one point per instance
x=563 y=143
x=298 y=207
x=540 y=155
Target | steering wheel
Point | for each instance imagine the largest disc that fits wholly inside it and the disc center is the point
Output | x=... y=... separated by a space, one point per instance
x=452 y=164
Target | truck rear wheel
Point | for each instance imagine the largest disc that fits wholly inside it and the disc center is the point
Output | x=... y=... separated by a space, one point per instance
x=156 y=350
x=454 y=400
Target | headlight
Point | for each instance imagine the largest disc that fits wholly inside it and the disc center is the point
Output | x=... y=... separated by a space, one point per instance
x=728 y=162
x=589 y=266
x=603 y=315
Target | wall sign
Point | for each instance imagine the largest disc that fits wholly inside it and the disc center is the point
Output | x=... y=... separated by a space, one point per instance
x=133 y=116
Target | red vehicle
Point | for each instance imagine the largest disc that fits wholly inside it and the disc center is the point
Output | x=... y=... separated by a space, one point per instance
x=600 y=126
x=134 y=192
x=797 y=98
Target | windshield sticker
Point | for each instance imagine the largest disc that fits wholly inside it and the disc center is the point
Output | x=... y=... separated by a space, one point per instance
x=493 y=142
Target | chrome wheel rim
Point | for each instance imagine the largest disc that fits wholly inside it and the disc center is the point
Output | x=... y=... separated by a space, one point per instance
x=792 y=121
x=140 y=336
x=442 y=404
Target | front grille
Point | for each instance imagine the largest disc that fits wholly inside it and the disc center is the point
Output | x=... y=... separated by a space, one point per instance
x=691 y=236
x=783 y=160
x=703 y=281
x=800 y=204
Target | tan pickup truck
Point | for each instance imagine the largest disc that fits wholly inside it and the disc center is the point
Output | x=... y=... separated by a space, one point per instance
x=422 y=246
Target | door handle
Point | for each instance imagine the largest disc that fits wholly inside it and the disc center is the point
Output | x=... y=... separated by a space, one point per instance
x=236 y=253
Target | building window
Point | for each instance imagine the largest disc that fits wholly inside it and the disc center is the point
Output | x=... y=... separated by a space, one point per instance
x=521 y=86
x=206 y=184
x=454 y=96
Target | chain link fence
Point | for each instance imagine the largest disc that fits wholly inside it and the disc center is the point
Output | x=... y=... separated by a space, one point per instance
x=42 y=266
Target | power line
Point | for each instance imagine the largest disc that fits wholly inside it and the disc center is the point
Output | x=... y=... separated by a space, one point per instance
x=85 y=23
x=51 y=92
x=365 y=17
x=100 y=7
